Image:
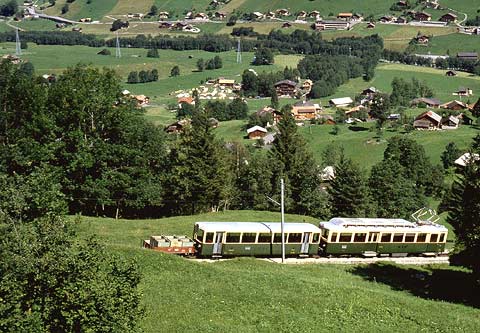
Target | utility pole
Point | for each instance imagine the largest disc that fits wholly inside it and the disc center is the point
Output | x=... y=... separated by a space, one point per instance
x=118 y=52
x=282 y=205
x=239 y=52
x=18 y=45
x=282 y=210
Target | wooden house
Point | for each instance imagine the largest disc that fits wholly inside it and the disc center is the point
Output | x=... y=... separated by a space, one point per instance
x=301 y=14
x=422 y=16
x=77 y=29
x=270 y=15
x=326 y=119
x=356 y=18
x=402 y=4
x=141 y=100
x=370 y=92
x=371 y=25
x=450 y=122
x=286 y=88
x=466 y=158
x=163 y=15
x=200 y=16
x=455 y=105
x=304 y=111
x=428 y=102
x=428 y=120
x=449 y=17
x=314 y=14
x=165 y=25
x=451 y=73
x=220 y=15
x=345 y=16
x=465 y=119
x=12 y=58
x=257 y=16
x=401 y=20
x=178 y=126
x=464 y=92
x=283 y=12
x=186 y=100
x=387 y=19
x=256 y=132
x=286 y=25
x=422 y=39
x=267 y=110
x=340 y=102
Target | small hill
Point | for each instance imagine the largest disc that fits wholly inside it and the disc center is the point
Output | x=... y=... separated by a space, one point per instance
x=251 y=295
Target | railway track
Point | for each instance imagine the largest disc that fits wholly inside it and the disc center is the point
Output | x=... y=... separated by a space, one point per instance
x=350 y=261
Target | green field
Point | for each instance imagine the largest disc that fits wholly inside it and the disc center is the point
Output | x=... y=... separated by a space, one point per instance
x=452 y=44
x=249 y=295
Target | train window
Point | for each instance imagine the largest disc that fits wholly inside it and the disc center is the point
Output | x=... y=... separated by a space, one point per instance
x=249 y=237
x=433 y=238
x=334 y=237
x=277 y=238
x=325 y=233
x=386 y=238
x=315 y=237
x=345 y=238
x=264 y=238
x=233 y=237
x=209 y=237
x=199 y=235
x=359 y=238
x=442 y=238
x=397 y=238
x=295 y=238
x=421 y=238
x=409 y=238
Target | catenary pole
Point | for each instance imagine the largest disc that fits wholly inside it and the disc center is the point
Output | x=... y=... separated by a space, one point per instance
x=282 y=204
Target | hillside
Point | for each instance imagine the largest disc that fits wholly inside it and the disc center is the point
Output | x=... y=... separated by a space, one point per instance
x=253 y=295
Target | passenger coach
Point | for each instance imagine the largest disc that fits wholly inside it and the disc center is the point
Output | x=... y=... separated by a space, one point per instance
x=223 y=239
x=372 y=237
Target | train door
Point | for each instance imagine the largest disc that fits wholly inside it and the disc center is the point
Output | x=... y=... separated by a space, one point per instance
x=373 y=238
x=217 y=245
x=305 y=243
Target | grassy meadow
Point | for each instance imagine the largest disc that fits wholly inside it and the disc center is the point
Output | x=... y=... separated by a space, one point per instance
x=250 y=295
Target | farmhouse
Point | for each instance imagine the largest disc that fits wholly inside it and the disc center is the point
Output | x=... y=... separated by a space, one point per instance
x=340 y=102
x=163 y=15
x=387 y=19
x=429 y=102
x=178 y=126
x=332 y=25
x=466 y=158
x=225 y=82
x=283 y=12
x=327 y=119
x=286 y=25
x=304 y=110
x=463 y=92
x=256 y=132
x=314 y=14
x=267 y=110
x=220 y=15
x=422 y=16
x=428 y=120
x=422 y=39
x=286 y=88
x=451 y=73
x=270 y=15
x=258 y=15
x=85 y=20
x=345 y=16
x=301 y=14
x=186 y=100
x=12 y=58
x=473 y=56
x=401 y=20
x=432 y=4
x=371 y=25
x=454 y=105
x=200 y=16
x=450 y=122
x=402 y=4
x=449 y=17
x=141 y=100
x=165 y=25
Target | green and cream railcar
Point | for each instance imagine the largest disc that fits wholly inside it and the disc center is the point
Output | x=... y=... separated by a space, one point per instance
x=224 y=239
x=376 y=236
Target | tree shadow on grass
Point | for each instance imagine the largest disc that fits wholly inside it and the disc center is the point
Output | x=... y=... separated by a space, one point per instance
x=430 y=283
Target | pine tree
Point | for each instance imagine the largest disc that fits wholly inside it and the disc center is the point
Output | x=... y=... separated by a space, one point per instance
x=348 y=192
x=463 y=205
x=450 y=154
x=476 y=109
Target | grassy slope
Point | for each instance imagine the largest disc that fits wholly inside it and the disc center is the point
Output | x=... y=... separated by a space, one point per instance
x=452 y=43
x=249 y=295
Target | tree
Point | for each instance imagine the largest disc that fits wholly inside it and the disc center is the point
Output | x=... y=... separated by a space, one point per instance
x=237 y=109
x=463 y=206
x=27 y=68
x=52 y=282
x=263 y=56
x=132 y=77
x=23 y=45
x=274 y=99
x=65 y=8
x=153 y=11
x=232 y=20
x=217 y=62
x=143 y=77
x=175 y=71
x=394 y=195
x=332 y=154
x=152 y=53
x=380 y=108
x=450 y=154
x=200 y=65
x=153 y=75
x=249 y=83
x=9 y=8
x=348 y=192
x=291 y=160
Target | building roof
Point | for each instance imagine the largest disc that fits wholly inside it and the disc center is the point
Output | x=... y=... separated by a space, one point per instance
x=256 y=128
x=450 y=14
x=430 y=114
x=188 y=100
x=453 y=119
x=467 y=158
x=345 y=15
x=287 y=82
x=341 y=224
x=467 y=55
x=265 y=227
x=453 y=103
x=428 y=101
x=341 y=101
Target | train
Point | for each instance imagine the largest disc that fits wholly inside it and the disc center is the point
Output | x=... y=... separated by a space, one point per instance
x=367 y=237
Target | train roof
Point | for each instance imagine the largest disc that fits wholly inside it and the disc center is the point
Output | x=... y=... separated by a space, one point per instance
x=268 y=227
x=379 y=224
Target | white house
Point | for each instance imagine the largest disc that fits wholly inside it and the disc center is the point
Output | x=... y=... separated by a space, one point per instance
x=340 y=102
